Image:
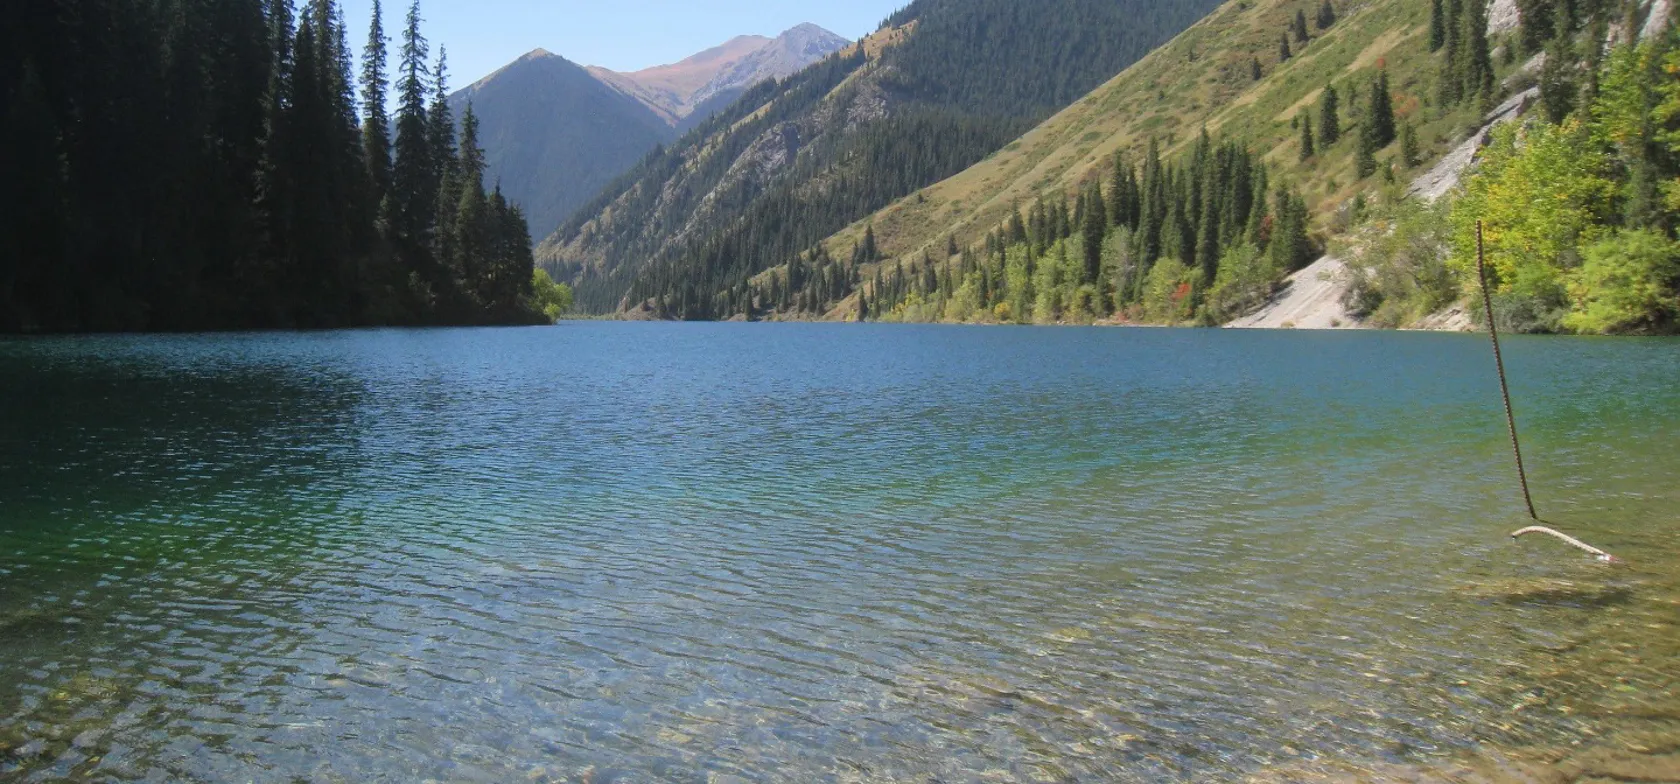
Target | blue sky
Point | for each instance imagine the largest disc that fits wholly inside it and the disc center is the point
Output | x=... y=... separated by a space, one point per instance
x=624 y=35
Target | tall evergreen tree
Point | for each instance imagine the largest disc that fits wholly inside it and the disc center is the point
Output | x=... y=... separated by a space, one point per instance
x=1380 y=115
x=1283 y=49
x=1306 y=123
x=1329 y=117
x=1326 y=15
x=1095 y=228
x=376 y=123
x=413 y=167
x=1557 y=84
x=1299 y=28
x=1365 y=155
x=1477 y=67
x=1437 y=25
x=1410 y=155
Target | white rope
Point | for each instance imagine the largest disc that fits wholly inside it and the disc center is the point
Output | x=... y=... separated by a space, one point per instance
x=1567 y=539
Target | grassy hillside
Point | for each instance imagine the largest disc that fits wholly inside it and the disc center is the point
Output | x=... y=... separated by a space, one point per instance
x=1202 y=79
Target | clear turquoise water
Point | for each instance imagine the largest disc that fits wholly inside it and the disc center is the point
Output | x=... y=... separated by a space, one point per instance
x=691 y=553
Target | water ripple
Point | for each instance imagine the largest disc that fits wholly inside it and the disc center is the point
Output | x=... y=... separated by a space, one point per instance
x=711 y=553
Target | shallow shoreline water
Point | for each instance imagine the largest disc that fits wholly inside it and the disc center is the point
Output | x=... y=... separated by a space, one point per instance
x=671 y=552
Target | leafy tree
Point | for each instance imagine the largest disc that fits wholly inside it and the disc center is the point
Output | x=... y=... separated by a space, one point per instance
x=1625 y=284
x=552 y=299
x=1541 y=193
x=1246 y=279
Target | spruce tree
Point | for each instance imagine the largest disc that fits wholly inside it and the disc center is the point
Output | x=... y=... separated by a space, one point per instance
x=1380 y=115
x=1477 y=68
x=1437 y=25
x=1365 y=157
x=1329 y=117
x=1557 y=85
x=474 y=234
x=1306 y=123
x=1283 y=49
x=414 y=186
x=376 y=123
x=1326 y=15
x=1095 y=228
x=1300 y=27
x=440 y=121
x=1410 y=154
x=1254 y=70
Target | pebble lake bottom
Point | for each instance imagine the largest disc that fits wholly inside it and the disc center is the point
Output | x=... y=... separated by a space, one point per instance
x=606 y=552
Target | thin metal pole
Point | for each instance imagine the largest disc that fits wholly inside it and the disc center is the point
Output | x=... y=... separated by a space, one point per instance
x=1499 y=361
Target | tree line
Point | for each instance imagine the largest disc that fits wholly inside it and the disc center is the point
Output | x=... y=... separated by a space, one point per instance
x=1199 y=240
x=214 y=164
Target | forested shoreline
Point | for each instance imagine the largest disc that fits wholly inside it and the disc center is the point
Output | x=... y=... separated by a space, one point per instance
x=220 y=164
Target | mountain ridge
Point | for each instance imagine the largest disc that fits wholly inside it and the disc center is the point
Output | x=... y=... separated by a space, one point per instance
x=680 y=91
x=945 y=83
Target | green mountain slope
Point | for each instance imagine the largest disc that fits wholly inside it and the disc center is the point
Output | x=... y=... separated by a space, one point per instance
x=1202 y=79
x=945 y=83
x=554 y=135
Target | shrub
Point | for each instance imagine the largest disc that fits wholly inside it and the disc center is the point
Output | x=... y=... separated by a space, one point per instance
x=1626 y=284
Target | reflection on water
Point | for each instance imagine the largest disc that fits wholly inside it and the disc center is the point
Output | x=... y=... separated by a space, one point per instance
x=825 y=553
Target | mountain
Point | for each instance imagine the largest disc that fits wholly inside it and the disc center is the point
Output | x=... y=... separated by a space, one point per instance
x=670 y=90
x=943 y=84
x=687 y=92
x=1164 y=194
x=553 y=134
x=790 y=53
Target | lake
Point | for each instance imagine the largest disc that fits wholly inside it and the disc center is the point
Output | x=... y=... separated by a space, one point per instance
x=607 y=552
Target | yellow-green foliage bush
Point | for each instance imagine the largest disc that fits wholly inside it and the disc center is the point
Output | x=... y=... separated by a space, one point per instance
x=1540 y=193
x=1625 y=284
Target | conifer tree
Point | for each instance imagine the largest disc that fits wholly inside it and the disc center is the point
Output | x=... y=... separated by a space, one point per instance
x=1283 y=49
x=1477 y=68
x=1254 y=70
x=376 y=124
x=1300 y=27
x=1095 y=228
x=1365 y=156
x=1557 y=85
x=413 y=166
x=1306 y=123
x=1380 y=115
x=1326 y=15
x=1437 y=25
x=1410 y=155
x=1329 y=117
